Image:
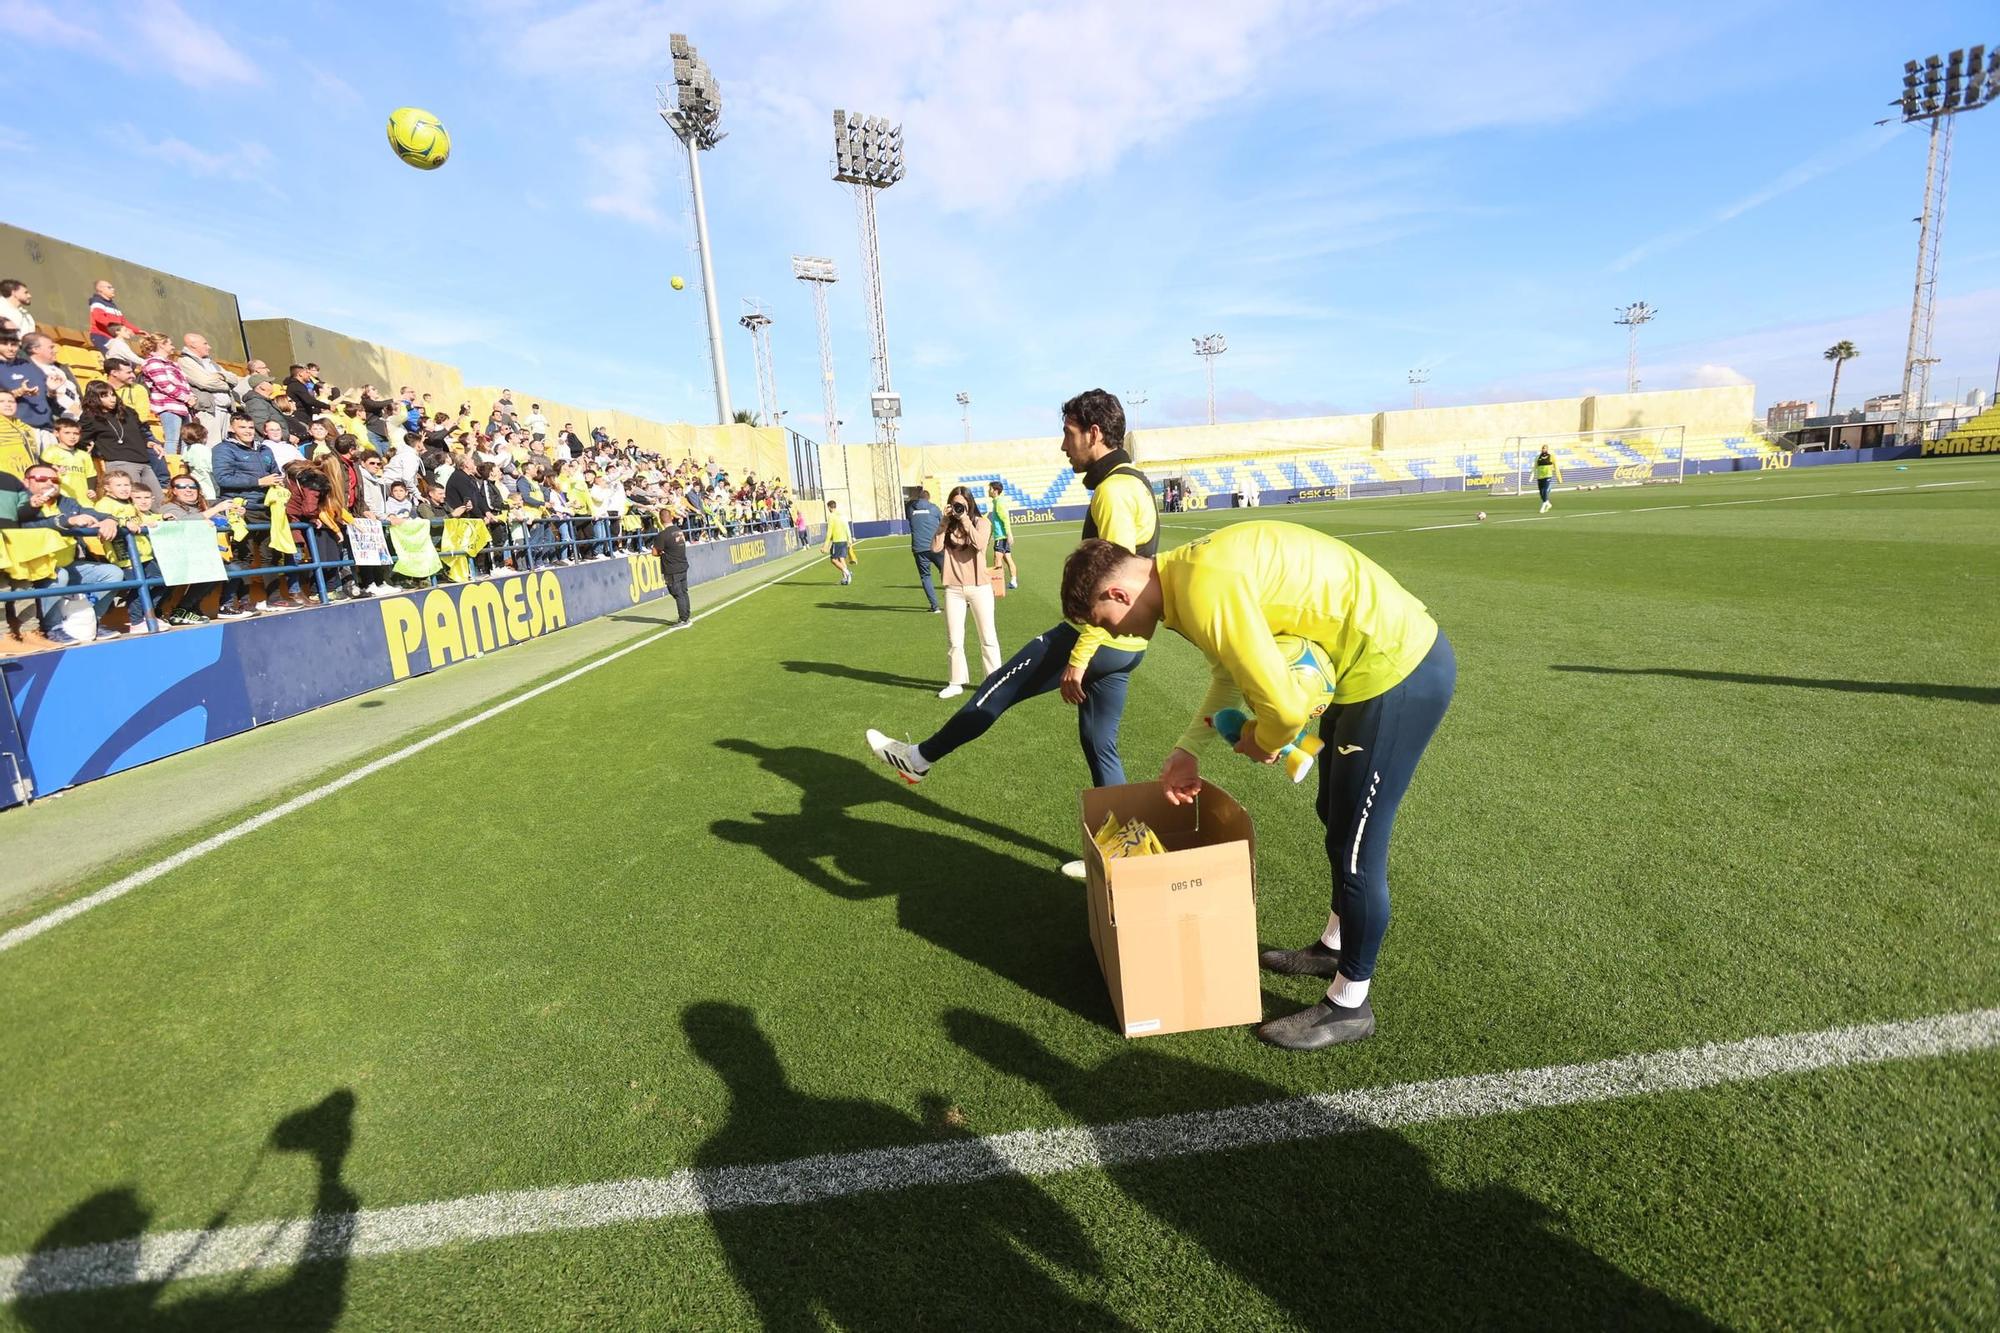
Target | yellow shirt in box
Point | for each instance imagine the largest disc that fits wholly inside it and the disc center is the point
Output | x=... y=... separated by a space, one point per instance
x=1123 y=513
x=836 y=528
x=18 y=446
x=1229 y=593
x=124 y=511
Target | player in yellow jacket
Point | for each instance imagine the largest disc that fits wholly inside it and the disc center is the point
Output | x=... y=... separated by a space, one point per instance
x=1229 y=594
x=1092 y=668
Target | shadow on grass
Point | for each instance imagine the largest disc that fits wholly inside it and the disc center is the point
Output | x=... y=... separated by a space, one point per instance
x=1349 y=1229
x=84 y=1272
x=1968 y=694
x=871 y=606
x=888 y=678
x=1022 y=922
x=925 y=1258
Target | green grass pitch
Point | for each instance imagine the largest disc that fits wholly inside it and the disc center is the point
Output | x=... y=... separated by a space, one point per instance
x=1722 y=765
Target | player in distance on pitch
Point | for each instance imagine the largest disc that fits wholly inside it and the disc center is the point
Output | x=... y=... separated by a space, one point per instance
x=1230 y=594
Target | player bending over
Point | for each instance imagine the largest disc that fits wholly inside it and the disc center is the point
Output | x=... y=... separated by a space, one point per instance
x=1228 y=594
x=1003 y=532
x=837 y=537
x=1090 y=666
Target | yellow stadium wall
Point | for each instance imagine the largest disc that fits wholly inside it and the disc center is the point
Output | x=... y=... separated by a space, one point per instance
x=61 y=276
x=1477 y=423
x=348 y=363
x=1727 y=410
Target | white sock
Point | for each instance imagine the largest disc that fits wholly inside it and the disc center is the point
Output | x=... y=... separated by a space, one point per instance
x=1331 y=939
x=917 y=760
x=1346 y=993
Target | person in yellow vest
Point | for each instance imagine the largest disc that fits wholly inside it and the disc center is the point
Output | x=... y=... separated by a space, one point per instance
x=117 y=498
x=1547 y=476
x=1091 y=667
x=1393 y=672
x=838 y=538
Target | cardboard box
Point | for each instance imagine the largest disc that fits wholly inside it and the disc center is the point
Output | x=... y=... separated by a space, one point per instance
x=1175 y=934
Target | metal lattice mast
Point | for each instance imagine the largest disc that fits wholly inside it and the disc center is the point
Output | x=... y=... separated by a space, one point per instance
x=1634 y=317
x=1418 y=379
x=759 y=325
x=1936 y=90
x=964 y=401
x=1208 y=348
x=692 y=109
x=819 y=274
x=868 y=155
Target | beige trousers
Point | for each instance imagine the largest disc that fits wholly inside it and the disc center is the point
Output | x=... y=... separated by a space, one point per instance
x=980 y=599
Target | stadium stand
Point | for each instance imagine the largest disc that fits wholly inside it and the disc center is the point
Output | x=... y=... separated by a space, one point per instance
x=496 y=487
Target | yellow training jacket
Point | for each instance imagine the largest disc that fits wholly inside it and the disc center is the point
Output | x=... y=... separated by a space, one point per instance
x=1122 y=512
x=1229 y=593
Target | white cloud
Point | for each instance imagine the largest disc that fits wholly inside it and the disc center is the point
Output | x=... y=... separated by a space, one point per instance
x=626 y=176
x=998 y=99
x=1710 y=376
x=1847 y=151
x=156 y=35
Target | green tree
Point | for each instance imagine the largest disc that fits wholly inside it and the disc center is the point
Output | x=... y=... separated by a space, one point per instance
x=1840 y=353
x=745 y=417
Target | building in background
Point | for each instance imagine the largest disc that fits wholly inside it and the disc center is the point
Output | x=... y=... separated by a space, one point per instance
x=1779 y=417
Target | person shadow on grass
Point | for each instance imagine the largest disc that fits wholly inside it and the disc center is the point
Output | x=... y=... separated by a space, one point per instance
x=1349 y=1230
x=930 y=1256
x=833 y=784
x=84 y=1273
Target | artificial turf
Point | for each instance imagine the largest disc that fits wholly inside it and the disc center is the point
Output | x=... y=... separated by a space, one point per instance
x=1711 y=772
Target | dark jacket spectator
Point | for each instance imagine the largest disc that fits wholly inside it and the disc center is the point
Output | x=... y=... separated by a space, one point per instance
x=465 y=496
x=672 y=543
x=261 y=409
x=303 y=398
x=115 y=435
x=240 y=469
x=924 y=519
x=24 y=379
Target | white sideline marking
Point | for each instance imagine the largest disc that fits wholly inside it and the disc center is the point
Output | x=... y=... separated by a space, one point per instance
x=1877 y=490
x=21 y=934
x=408 y=1228
x=1654 y=509
x=1969 y=481
x=1768 y=500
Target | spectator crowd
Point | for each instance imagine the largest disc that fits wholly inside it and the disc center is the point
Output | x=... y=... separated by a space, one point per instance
x=291 y=473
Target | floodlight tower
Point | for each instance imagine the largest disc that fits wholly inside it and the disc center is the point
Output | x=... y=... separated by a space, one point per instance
x=692 y=108
x=1936 y=90
x=868 y=156
x=1208 y=348
x=1134 y=398
x=759 y=325
x=1633 y=317
x=1418 y=379
x=819 y=274
x=965 y=414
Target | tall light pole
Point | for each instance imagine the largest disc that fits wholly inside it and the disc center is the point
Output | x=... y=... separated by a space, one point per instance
x=1418 y=379
x=1936 y=90
x=759 y=325
x=1633 y=317
x=819 y=274
x=1133 y=398
x=965 y=414
x=692 y=108
x=1208 y=348
x=868 y=156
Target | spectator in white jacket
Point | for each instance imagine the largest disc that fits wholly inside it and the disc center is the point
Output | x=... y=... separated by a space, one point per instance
x=216 y=391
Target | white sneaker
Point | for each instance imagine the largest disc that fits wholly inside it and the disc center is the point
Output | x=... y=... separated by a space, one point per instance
x=1013 y=583
x=1074 y=869
x=899 y=755
x=1545 y=506
x=951 y=691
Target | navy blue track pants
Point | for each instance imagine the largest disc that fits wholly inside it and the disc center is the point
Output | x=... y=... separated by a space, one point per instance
x=1371 y=753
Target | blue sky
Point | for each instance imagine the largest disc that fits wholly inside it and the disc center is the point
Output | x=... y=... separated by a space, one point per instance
x=1346 y=191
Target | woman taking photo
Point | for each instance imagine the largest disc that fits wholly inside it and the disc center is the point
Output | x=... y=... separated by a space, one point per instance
x=961 y=539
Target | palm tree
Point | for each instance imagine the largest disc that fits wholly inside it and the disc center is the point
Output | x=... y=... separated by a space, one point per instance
x=745 y=417
x=1838 y=353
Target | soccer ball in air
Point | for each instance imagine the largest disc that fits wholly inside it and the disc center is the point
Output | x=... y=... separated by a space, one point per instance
x=678 y=282
x=1307 y=663
x=1482 y=516
x=418 y=138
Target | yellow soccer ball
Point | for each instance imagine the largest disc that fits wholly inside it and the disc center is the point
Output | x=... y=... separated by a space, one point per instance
x=418 y=138
x=678 y=283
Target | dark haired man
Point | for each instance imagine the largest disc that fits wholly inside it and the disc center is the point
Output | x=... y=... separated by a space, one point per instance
x=1091 y=667
x=1230 y=594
